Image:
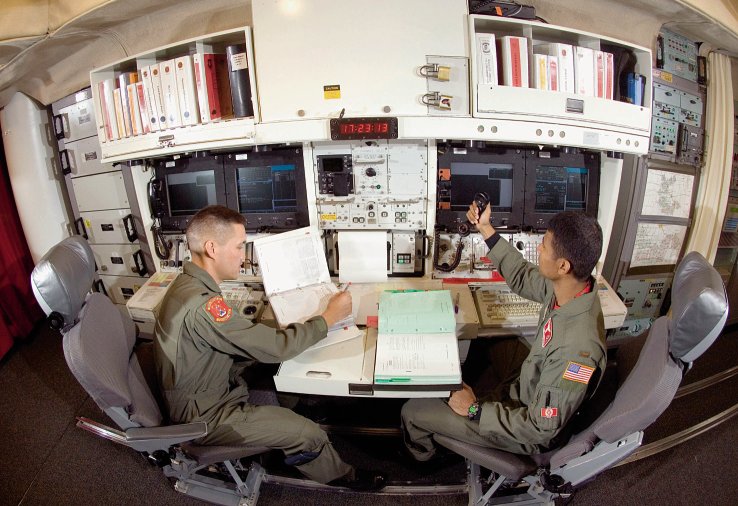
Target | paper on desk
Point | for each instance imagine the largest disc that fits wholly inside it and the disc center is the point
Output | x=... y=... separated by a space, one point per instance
x=301 y=304
x=338 y=335
x=420 y=312
x=363 y=256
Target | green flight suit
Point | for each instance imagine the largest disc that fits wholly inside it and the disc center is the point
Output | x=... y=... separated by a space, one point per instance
x=201 y=346
x=568 y=352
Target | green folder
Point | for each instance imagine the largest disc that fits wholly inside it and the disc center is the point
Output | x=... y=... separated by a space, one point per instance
x=416 y=312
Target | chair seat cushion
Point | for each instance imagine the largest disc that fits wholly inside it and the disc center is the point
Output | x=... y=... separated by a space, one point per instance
x=212 y=454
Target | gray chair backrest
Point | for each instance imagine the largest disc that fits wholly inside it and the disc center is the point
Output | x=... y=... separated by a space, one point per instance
x=698 y=312
x=63 y=277
x=98 y=337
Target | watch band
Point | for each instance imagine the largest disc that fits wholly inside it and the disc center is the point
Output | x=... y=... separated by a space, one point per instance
x=474 y=411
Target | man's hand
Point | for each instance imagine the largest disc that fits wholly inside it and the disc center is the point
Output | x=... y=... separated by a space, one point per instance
x=339 y=307
x=461 y=400
x=482 y=222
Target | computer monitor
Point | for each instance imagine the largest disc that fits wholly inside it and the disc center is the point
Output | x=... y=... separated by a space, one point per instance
x=183 y=186
x=560 y=181
x=462 y=172
x=268 y=187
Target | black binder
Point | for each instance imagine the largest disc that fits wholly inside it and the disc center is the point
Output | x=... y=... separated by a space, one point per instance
x=238 y=73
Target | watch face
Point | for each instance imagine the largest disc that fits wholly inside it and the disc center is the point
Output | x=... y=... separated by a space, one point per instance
x=473 y=409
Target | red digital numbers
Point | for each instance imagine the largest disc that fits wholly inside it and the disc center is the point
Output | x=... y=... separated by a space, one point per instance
x=364 y=128
x=378 y=127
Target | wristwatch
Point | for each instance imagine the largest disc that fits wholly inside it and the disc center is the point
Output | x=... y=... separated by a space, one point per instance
x=474 y=411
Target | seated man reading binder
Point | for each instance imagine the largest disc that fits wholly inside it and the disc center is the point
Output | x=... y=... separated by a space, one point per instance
x=528 y=412
x=202 y=346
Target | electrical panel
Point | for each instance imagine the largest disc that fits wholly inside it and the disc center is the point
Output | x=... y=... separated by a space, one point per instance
x=643 y=297
x=691 y=140
x=371 y=185
x=679 y=55
x=664 y=136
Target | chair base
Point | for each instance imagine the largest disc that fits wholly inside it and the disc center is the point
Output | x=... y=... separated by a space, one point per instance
x=238 y=492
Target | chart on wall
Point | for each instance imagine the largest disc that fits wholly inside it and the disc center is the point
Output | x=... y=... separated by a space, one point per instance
x=667 y=194
x=657 y=244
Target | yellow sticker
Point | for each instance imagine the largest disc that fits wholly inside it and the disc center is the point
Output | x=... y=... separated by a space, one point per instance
x=88 y=224
x=667 y=76
x=331 y=91
x=328 y=217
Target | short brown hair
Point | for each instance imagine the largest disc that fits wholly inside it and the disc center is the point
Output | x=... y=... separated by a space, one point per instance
x=212 y=222
x=578 y=238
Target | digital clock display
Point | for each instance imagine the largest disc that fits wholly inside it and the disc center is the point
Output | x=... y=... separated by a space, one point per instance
x=363 y=128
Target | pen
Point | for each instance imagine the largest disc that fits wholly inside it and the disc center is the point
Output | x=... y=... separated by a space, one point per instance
x=345 y=287
x=456 y=302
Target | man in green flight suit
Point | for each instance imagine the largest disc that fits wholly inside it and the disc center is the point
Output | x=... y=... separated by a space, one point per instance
x=530 y=411
x=202 y=346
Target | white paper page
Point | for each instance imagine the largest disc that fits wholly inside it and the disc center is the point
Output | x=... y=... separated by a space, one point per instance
x=338 y=336
x=298 y=306
x=363 y=256
x=417 y=357
x=291 y=260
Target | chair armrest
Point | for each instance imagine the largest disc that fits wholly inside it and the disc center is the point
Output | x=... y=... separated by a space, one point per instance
x=146 y=439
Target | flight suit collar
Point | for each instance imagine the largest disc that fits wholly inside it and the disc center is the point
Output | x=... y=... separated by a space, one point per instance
x=577 y=305
x=196 y=272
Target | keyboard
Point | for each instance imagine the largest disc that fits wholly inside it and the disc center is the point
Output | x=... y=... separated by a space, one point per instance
x=498 y=306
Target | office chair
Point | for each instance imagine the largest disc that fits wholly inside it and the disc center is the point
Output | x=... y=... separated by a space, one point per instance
x=698 y=313
x=99 y=349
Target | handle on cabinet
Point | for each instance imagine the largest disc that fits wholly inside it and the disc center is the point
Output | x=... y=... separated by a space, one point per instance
x=100 y=287
x=66 y=167
x=130 y=227
x=58 y=126
x=80 y=223
x=138 y=259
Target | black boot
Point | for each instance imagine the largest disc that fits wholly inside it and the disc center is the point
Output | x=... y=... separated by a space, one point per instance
x=362 y=481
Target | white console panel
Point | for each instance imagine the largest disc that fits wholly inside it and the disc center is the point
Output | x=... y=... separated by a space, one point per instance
x=371 y=184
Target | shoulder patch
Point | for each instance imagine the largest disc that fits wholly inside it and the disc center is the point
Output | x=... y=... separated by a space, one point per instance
x=218 y=309
x=578 y=372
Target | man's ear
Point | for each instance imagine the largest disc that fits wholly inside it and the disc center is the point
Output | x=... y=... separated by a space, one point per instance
x=209 y=249
x=564 y=266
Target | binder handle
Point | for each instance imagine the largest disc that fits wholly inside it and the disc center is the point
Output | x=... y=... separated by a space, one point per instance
x=130 y=227
x=66 y=167
x=138 y=259
x=80 y=223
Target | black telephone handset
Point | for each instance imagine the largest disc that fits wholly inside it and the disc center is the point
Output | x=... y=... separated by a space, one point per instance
x=481 y=199
x=157 y=205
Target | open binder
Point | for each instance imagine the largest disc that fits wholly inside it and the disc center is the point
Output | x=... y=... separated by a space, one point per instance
x=297 y=283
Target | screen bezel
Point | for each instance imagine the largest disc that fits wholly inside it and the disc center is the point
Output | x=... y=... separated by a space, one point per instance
x=591 y=161
x=270 y=220
x=449 y=154
x=183 y=165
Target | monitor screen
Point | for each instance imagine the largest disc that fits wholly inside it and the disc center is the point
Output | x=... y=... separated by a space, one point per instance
x=266 y=189
x=189 y=192
x=469 y=178
x=560 y=189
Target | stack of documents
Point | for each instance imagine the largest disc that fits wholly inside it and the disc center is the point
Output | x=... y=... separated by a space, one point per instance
x=297 y=283
x=416 y=344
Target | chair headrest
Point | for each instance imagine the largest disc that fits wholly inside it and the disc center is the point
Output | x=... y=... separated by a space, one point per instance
x=699 y=307
x=63 y=277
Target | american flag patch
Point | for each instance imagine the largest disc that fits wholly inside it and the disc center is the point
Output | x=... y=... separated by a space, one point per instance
x=578 y=372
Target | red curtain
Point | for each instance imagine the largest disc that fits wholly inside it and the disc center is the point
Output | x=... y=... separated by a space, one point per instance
x=19 y=311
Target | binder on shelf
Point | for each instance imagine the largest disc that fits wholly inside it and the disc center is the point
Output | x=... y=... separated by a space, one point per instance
x=143 y=107
x=223 y=83
x=119 y=119
x=148 y=87
x=201 y=86
x=124 y=80
x=186 y=90
x=564 y=54
x=169 y=89
x=540 y=72
x=599 y=73
x=513 y=54
x=553 y=73
x=107 y=109
x=238 y=76
x=134 y=110
x=158 y=93
x=635 y=89
x=486 y=59
x=609 y=75
x=584 y=71
x=211 y=85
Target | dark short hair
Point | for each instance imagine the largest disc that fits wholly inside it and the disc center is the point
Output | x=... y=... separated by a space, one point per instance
x=211 y=222
x=578 y=238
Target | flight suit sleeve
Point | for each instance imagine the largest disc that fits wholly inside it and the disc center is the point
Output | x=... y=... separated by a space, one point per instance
x=521 y=276
x=235 y=335
x=561 y=389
